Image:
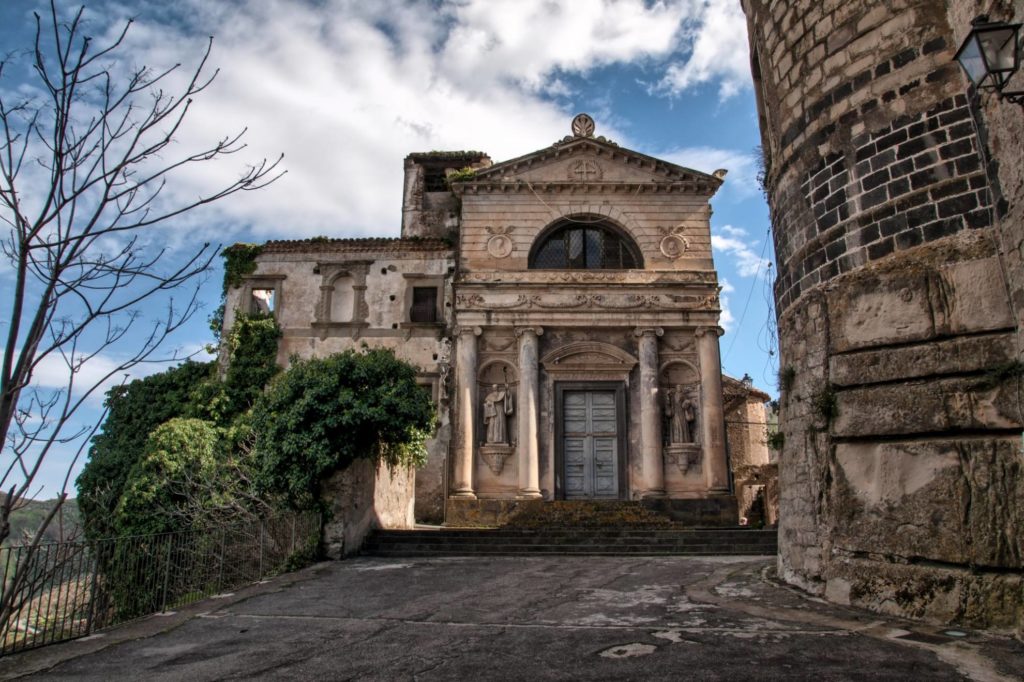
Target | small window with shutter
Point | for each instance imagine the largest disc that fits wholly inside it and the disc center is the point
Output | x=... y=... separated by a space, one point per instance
x=424 y=305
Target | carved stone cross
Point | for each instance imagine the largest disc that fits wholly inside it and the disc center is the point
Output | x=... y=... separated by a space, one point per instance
x=586 y=170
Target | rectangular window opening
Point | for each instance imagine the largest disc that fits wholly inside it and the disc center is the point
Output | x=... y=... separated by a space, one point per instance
x=263 y=301
x=424 y=305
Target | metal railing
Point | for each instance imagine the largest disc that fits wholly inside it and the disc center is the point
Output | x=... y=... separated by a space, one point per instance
x=61 y=591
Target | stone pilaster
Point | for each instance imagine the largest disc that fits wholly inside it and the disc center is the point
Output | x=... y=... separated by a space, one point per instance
x=712 y=416
x=650 y=413
x=466 y=397
x=528 y=448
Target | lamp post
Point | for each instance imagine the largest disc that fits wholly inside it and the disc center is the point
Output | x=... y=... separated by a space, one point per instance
x=990 y=55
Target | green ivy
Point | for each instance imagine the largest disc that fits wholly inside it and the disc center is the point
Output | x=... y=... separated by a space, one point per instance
x=133 y=411
x=239 y=261
x=322 y=414
x=252 y=360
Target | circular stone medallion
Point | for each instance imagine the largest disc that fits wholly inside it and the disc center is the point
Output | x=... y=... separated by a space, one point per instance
x=583 y=126
x=673 y=246
x=499 y=246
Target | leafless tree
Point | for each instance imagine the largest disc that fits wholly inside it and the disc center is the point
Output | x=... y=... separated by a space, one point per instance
x=83 y=166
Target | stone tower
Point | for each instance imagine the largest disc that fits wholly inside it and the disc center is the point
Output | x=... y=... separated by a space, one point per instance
x=902 y=478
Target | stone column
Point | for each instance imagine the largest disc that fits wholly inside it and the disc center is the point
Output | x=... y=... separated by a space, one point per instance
x=650 y=414
x=712 y=417
x=528 y=449
x=465 y=399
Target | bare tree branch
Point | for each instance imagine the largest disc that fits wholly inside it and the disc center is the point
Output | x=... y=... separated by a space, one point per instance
x=83 y=169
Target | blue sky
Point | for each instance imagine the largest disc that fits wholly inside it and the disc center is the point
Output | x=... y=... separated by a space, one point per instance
x=345 y=89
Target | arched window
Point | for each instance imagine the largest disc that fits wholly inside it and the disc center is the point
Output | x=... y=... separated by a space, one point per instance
x=584 y=243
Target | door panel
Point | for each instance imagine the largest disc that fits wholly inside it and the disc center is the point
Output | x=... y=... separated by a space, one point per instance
x=590 y=424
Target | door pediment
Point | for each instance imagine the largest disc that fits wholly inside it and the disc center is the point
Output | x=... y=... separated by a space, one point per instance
x=591 y=357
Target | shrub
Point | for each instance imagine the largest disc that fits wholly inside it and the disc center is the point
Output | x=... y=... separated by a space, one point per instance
x=133 y=411
x=176 y=475
x=322 y=414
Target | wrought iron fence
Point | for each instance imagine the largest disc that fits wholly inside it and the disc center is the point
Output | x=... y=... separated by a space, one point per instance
x=61 y=591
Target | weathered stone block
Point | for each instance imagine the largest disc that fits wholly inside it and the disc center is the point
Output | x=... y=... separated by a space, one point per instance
x=918 y=298
x=927 y=407
x=890 y=498
x=949 y=356
x=939 y=595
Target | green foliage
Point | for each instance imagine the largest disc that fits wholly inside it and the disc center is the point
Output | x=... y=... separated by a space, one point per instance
x=322 y=414
x=787 y=375
x=239 y=261
x=825 y=404
x=26 y=518
x=134 y=410
x=776 y=440
x=461 y=175
x=252 y=359
x=171 y=479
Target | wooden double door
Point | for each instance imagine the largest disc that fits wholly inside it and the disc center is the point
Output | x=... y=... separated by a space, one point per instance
x=591 y=433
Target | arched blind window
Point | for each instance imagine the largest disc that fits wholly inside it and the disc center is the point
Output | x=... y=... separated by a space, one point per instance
x=582 y=243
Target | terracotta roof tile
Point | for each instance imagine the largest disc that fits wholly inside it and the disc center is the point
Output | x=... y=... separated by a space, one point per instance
x=321 y=244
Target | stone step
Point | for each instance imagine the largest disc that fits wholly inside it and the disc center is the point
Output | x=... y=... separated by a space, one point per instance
x=503 y=541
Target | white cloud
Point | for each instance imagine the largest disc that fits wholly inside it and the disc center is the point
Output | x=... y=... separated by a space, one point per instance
x=742 y=166
x=736 y=243
x=719 y=52
x=726 y=319
x=346 y=89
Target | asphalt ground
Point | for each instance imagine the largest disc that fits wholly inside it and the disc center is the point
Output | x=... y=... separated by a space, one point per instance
x=526 y=618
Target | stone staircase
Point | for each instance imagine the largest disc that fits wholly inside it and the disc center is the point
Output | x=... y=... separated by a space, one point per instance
x=576 y=541
x=577 y=528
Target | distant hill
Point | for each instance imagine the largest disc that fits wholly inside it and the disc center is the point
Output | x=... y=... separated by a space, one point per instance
x=26 y=520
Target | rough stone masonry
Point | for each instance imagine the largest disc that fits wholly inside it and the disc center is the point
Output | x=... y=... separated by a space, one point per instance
x=895 y=203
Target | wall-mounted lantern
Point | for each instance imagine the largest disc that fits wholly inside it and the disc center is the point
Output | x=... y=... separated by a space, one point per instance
x=990 y=55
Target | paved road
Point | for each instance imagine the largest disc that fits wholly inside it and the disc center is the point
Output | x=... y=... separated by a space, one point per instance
x=526 y=619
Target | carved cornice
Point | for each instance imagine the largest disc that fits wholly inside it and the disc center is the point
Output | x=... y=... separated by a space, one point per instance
x=589 y=277
x=567 y=186
x=479 y=301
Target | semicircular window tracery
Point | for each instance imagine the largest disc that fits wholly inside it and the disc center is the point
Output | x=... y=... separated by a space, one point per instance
x=584 y=243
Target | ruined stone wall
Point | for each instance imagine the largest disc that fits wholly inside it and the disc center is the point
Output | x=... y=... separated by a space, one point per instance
x=341 y=295
x=901 y=474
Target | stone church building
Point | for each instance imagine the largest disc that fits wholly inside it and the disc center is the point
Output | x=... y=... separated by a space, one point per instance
x=563 y=308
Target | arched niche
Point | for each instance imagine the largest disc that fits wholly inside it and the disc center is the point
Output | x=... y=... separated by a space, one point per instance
x=497 y=377
x=678 y=373
x=497 y=372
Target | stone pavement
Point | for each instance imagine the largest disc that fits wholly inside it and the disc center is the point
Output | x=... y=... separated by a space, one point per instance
x=531 y=618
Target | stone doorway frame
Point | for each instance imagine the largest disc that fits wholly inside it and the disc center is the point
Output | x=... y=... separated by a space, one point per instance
x=622 y=425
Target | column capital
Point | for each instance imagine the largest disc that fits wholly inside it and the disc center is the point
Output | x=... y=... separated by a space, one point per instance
x=519 y=331
x=475 y=331
x=648 y=331
x=701 y=331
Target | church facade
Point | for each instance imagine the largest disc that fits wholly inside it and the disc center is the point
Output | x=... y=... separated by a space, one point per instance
x=563 y=309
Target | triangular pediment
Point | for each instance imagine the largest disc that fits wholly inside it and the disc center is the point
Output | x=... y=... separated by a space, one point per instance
x=582 y=160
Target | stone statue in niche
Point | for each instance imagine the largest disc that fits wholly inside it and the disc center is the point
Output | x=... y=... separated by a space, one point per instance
x=497 y=409
x=682 y=415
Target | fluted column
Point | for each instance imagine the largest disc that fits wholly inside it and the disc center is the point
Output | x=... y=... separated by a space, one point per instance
x=465 y=399
x=712 y=417
x=528 y=450
x=650 y=414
